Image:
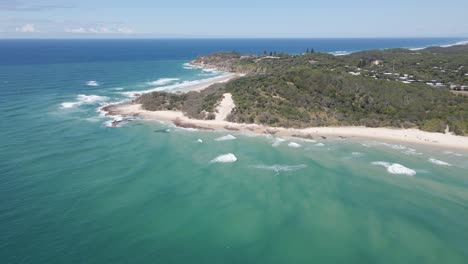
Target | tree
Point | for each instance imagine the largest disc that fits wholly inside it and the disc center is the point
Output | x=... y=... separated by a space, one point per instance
x=271 y=53
x=312 y=50
x=264 y=52
x=307 y=50
x=461 y=72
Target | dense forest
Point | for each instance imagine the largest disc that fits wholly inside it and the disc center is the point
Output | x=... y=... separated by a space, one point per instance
x=391 y=88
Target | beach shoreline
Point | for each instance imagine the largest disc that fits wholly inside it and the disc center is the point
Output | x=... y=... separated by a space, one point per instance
x=177 y=118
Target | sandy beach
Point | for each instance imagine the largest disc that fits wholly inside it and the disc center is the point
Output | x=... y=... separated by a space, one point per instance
x=203 y=84
x=389 y=134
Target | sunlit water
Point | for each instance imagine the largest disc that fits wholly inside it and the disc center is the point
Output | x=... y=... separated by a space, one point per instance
x=74 y=190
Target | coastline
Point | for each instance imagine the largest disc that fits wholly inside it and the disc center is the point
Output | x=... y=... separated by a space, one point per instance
x=415 y=136
x=205 y=83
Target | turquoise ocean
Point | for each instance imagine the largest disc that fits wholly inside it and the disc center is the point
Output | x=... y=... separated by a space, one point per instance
x=75 y=190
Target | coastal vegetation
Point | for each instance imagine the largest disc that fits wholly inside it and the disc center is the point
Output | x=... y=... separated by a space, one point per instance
x=381 y=88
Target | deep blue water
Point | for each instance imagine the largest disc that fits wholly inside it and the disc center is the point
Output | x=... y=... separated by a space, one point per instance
x=74 y=190
x=68 y=51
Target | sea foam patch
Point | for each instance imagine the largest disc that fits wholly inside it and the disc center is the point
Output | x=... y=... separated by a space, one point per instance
x=225 y=138
x=163 y=81
x=294 y=145
x=280 y=168
x=277 y=141
x=439 y=162
x=226 y=158
x=92 y=83
x=395 y=168
x=177 y=86
x=83 y=99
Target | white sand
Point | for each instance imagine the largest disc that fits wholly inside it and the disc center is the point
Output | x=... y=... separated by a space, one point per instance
x=208 y=82
x=225 y=107
x=391 y=134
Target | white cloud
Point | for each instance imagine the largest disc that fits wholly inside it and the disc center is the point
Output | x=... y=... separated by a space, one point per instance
x=125 y=30
x=75 y=30
x=27 y=28
x=100 y=30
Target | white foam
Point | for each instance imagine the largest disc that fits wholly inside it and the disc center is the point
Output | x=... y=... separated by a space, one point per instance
x=116 y=121
x=277 y=141
x=395 y=168
x=69 y=104
x=189 y=66
x=210 y=70
x=365 y=145
x=412 y=152
x=83 y=99
x=177 y=86
x=199 y=141
x=92 y=83
x=320 y=144
x=280 y=168
x=118 y=89
x=340 y=53
x=398 y=147
x=358 y=154
x=226 y=158
x=307 y=140
x=465 y=42
x=439 y=162
x=163 y=81
x=294 y=145
x=225 y=138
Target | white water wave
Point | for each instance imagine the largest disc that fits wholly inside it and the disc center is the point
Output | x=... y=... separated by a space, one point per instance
x=439 y=162
x=92 y=83
x=294 y=145
x=280 y=168
x=225 y=138
x=163 y=81
x=189 y=66
x=277 y=141
x=395 y=168
x=226 y=158
x=177 y=86
x=465 y=42
x=394 y=146
x=83 y=99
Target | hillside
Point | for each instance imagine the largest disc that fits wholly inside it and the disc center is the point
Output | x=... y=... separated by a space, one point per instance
x=319 y=89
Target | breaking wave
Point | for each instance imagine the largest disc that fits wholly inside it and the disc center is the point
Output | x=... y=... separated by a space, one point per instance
x=280 y=168
x=163 y=81
x=226 y=158
x=177 y=86
x=225 y=138
x=92 y=83
x=294 y=145
x=395 y=168
x=277 y=141
x=83 y=99
x=439 y=162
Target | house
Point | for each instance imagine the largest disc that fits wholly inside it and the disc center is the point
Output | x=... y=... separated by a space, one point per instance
x=455 y=87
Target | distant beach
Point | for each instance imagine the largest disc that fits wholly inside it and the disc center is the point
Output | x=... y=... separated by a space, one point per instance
x=390 y=134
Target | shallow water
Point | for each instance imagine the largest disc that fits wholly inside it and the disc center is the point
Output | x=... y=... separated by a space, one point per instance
x=73 y=190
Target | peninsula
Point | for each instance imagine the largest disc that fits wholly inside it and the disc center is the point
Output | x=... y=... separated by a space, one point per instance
x=397 y=94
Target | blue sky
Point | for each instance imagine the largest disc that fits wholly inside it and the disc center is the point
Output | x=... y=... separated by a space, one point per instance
x=236 y=18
